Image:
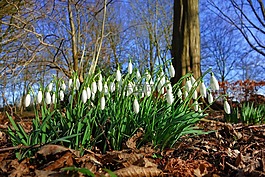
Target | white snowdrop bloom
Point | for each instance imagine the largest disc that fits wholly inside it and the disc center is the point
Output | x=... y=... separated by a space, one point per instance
x=188 y=85
x=210 y=98
x=84 y=95
x=100 y=77
x=193 y=80
x=171 y=70
x=61 y=95
x=179 y=93
x=138 y=75
x=106 y=89
x=102 y=103
x=118 y=75
x=88 y=92
x=70 y=82
x=77 y=84
x=147 y=89
x=94 y=87
x=54 y=100
x=227 y=107
x=203 y=90
x=50 y=86
x=170 y=98
x=129 y=89
x=195 y=95
x=112 y=87
x=48 y=98
x=130 y=67
x=136 y=106
x=214 y=83
x=63 y=86
x=93 y=96
x=186 y=94
x=196 y=105
x=169 y=86
x=39 y=97
x=27 y=100
x=100 y=85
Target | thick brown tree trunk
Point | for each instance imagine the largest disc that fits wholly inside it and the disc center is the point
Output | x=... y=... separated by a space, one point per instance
x=186 y=39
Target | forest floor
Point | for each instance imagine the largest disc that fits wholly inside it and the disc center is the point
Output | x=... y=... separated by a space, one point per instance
x=227 y=150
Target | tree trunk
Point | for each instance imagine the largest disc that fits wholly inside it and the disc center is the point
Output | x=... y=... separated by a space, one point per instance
x=186 y=39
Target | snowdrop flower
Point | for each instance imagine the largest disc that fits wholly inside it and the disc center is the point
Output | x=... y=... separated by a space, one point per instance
x=77 y=84
x=106 y=89
x=27 y=100
x=170 y=97
x=203 y=89
x=210 y=98
x=227 y=107
x=179 y=93
x=70 y=82
x=136 y=107
x=94 y=87
x=118 y=75
x=169 y=86
x=148 y=77
x=39 y=96
x=50 y=86
x=100 y=77
x=100 y=85
x=192 y=79
x=61 y=95
x=48 y=98
x=54 y=98
x=112 y=87
x=130 y=67
x=138 y=75
x=129 y=88
x=171 y=70
x=84 y=95
x=147 y=89
x=188 y=85
x=88 y=92
x=102 y=103
x=63 y=86
x=162 y=81
x=214 y=83
x=186 y=94
x=93 y=96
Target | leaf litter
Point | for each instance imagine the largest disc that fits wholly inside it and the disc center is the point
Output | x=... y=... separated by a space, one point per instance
x=229 y=150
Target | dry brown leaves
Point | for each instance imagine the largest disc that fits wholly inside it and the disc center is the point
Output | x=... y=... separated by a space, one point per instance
x=231 y=150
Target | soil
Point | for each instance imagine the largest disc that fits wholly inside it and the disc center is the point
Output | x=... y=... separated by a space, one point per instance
x=227 y=150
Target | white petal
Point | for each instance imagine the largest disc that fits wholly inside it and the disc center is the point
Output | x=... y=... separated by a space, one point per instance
x=63 y=86
x=118 y=75
x=84 y=96
x=39 y=97
x=54 y=98
x=210 y=98
x=138 y=75
x=112 y=87
x=61 y=95
x=94 y=87
x=172 y=70
x=214 y=83
x=70 y=82
x=195 y=95
x=27 y=100
x=170 y=98
x=88 y=92
x=48 y=98
x=102 y=103
x=188 y=85
x=130 y=67
x=50 y=86
x=203 y=90
x=100 y=85
x=227 y=107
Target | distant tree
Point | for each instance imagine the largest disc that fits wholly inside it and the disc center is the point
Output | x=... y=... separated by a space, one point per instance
x=186 y=38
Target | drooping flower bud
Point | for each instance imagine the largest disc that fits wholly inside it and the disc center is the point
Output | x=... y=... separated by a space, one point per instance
x=84 y=95
x=136 y=107
x=196 y=105
x=210 y=98
x=100 y=85
x=106 y=89
x=102 y=103
x=130 y=67
x=94 y=87
x=50 y=86
x=170 y=97
x=54 y=100
x=27 y=100
x=77 y=84
x=227 y=107
x=70 y=82
x=171 y=70
x=63 y=86
x=138 y=75
x=147 y=89
x=118 y=75
x=112 y=87
x=203 y=90
x=179 y=93
x=48 y=98
x=39 y=96
x=214 y=83
x=188 y=85
x=195 y=95
x=88 y=92
x=129 y=89
x=61 y=95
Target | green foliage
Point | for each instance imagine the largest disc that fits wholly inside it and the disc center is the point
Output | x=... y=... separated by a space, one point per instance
x=84 y=123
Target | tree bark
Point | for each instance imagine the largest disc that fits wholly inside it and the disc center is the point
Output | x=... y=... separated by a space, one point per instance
x=186 y=39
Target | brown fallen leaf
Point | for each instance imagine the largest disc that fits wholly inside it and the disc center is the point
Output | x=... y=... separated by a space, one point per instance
x=65 y=161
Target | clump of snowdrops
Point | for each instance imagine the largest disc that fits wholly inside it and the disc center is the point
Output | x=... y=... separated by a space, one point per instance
x=104 y=112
